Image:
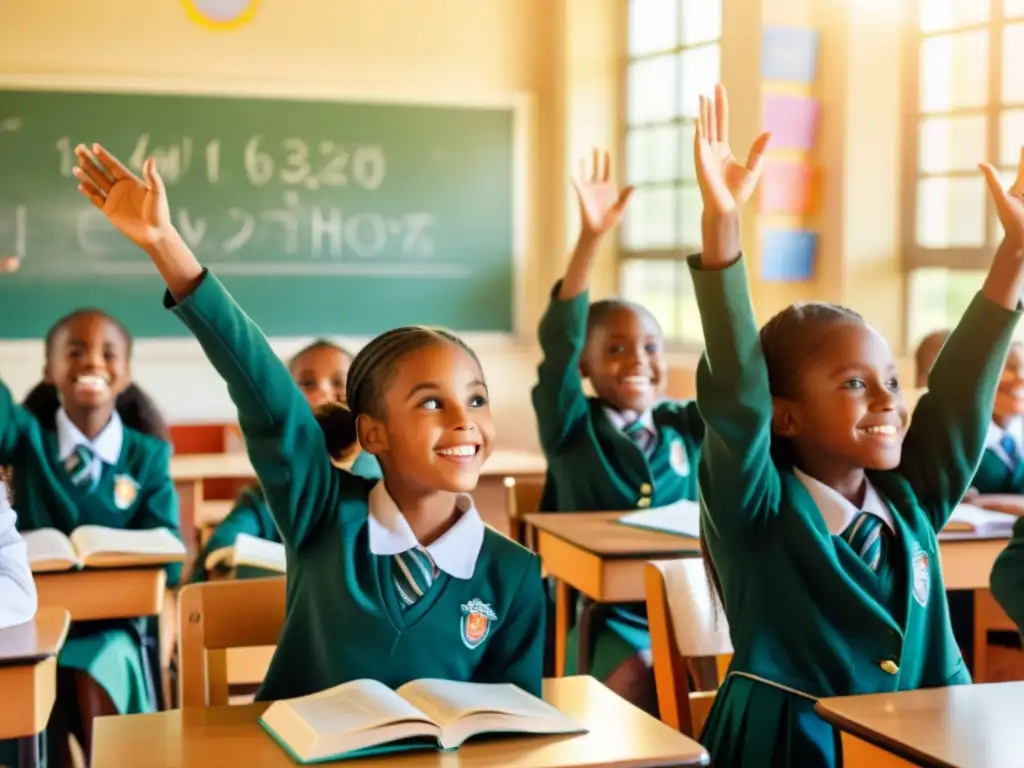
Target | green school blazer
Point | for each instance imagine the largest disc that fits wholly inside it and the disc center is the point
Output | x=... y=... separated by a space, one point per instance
x=345 y=620
x=1007 y=581
x=800 y=603
x=592 y=465
x=995 y=476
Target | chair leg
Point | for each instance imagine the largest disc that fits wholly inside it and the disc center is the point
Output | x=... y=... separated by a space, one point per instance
x=588 y=615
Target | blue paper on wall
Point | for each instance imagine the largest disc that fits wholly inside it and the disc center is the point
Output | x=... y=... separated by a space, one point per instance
x=787 y=255
x=790 y=54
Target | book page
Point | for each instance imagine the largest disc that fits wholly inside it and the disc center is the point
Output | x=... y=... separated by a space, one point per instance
x=352 y=706
x=98 y=545
x=49 y=550
x=259 y=553
x=447 y=701
x=967 y=517
x=682 y=518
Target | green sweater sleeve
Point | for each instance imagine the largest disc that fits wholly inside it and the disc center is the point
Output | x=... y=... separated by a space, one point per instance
x=739 y=483
x=558 y=397
x=946 y=438
x=282 y=437
x=15 y=423
x=516 y=655
x=1007 y=581
x=159 y=507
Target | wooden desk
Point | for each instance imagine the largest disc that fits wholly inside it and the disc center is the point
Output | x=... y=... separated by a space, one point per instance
x=104 y=593
x=969 y=726
x=601 y=558
x=620 y=735
x=28 y=678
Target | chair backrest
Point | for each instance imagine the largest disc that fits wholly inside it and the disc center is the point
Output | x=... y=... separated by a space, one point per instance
x=685 y=628
x=218 y=615
x=522 y=497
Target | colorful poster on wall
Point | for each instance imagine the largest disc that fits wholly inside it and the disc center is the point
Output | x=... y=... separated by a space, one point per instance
x=788 y=187
x=792 y=120
x=787 y=256
x=221 y=14
x=789 y=54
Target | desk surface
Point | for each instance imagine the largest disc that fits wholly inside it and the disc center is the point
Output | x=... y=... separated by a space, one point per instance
x=208 y=466
x=35 y=640
x=601 y=534
x=967 y=726
x=620 y=735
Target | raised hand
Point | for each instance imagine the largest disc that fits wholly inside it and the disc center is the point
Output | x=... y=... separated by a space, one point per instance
x=1009 y=202
x=137 y=208
x=9 y=264
x=725 y=183
x=601 y=204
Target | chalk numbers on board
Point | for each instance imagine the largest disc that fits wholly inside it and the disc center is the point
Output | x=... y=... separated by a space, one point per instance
x=330 y=165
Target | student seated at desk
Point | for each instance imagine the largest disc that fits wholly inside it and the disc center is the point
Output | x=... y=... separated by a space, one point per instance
x=625 y=448
x=89 y=448
x=395 y=579
x=820 y=507
x=18 y=600
x=320 y=370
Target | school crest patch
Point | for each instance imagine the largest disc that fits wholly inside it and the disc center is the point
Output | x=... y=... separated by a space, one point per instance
x=677 y=458
x=476 y=622
x=125 y=491
x=922 y=577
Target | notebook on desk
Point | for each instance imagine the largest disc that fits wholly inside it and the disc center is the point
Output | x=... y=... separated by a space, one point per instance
x=679 y=519
x=97 y=546
x=365 y=717
x=967 y=518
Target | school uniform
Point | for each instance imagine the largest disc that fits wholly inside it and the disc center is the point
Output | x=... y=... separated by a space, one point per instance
x=251 y=515
x=18 y=599
x=1002 y=464
x=364 y=599
x=599 y=460
x=815 y=613
x=120 y=479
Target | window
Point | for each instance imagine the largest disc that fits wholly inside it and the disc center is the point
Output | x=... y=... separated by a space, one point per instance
x=674 y=56
x=970 y=106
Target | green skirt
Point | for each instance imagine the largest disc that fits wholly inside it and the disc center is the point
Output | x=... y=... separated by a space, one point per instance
x=620 y=634
x=755 y=725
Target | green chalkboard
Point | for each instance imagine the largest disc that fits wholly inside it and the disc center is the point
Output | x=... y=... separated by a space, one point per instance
x=320 y=216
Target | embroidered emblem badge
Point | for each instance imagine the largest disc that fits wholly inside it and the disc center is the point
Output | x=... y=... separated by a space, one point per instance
x=677 y=458
x=922 y=577
x=125 y=491
x=476 y=622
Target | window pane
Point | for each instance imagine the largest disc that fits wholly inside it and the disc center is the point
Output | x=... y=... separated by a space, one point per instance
x=700 y=68
x=651 y=219
x=653 y=26
x=950 y=143
x=1011 y=136
x=938 y=298
x=690 y=211
x=1013 y=74
x=702 y=21
x=652 y=90
x=664 y=288
x=951 y=212
x=935 y=15
x=689 y=171
x=652 y=154
x=1013 y=8
x=954 y=71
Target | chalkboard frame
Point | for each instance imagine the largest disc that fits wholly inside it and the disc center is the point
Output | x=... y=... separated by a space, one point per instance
x=519 y=103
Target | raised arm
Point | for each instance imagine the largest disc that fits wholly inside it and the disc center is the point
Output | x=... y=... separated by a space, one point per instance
x=558 y=398
x=946 y=438
x=738 y=480
x=282 y=437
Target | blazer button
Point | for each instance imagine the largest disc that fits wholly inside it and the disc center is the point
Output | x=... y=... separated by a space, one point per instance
x=644 y=502
x=645 y=489
x=889 y=666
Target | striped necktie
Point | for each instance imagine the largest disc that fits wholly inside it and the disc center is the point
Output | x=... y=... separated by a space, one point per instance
x=639 y=434
x=79 y=465
x=865 y=535
x=415 y=572
x=1009 y=446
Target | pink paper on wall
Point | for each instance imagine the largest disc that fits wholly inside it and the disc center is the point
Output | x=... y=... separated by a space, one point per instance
x=792 y=120
x=787 y=187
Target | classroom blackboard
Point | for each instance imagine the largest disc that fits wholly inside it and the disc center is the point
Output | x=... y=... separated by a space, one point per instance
x=321 y=216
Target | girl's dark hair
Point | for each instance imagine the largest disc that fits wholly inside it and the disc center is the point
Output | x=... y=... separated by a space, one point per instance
x=136 y=409
x=318 y=344
x=369 y=375
x=788 y=340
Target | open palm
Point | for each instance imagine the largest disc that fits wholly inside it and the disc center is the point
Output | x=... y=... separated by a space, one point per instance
x=725 y=183
x=1009 y=202
x=601 y=203
x=137 y=208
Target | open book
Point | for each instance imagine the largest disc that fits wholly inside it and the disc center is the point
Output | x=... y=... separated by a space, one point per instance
x=248 y=552
x=99 y=547
x=365 y=717
x=967 y=518
x=681 y=519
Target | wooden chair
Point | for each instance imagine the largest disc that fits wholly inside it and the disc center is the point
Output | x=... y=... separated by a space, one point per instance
x=688 y=637
x=523 y=496
x=217 y=616
x=989 y=616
